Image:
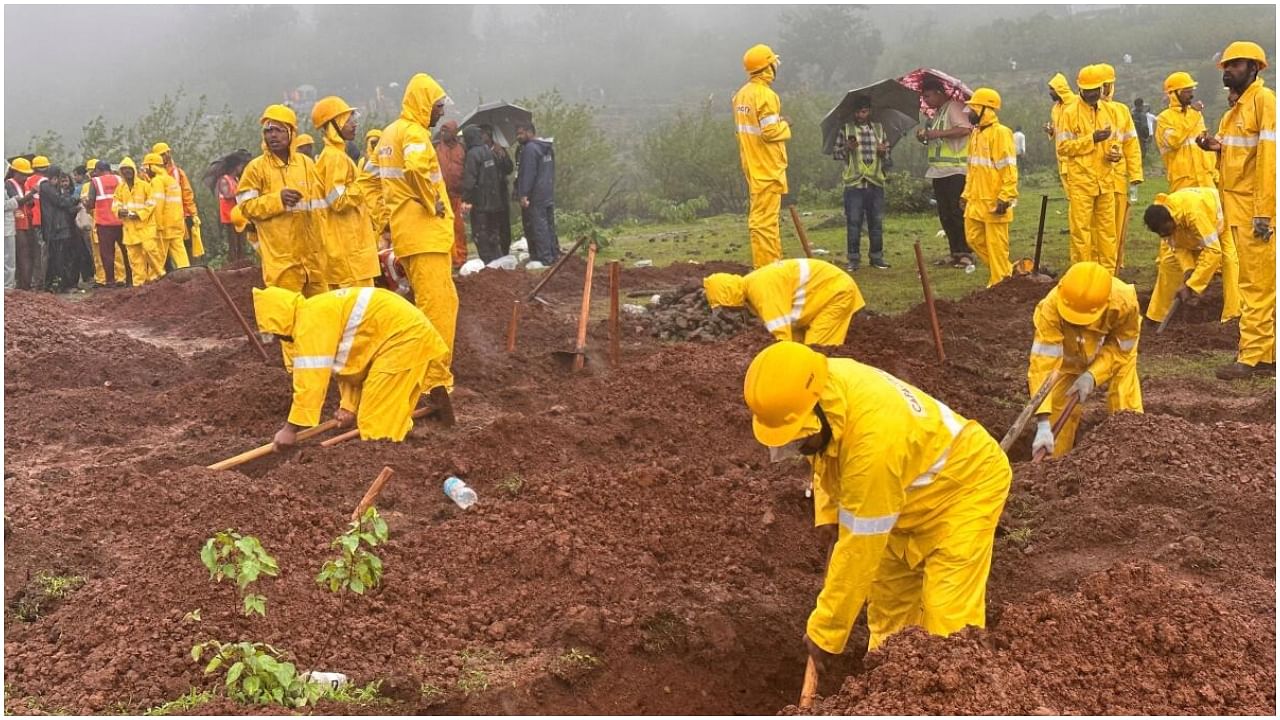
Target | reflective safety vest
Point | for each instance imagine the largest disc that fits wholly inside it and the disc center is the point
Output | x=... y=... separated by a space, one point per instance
x=104 y=187
x=33 y=188
x=226 y=204
x=941 y=154
x=19 y=215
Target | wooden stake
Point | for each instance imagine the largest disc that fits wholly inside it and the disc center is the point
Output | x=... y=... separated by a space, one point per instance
x=372 y=493
x=1028 y=411
x=809 y=691
x=554 y=269
x=511 y=326
x=804 y=237
x=928 y=299
x=270 y=447
x=581 y=347
x=1044 y=209
x=615 y=285
x=244 y=324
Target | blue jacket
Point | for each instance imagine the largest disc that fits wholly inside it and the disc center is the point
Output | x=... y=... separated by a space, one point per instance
x=537 y=173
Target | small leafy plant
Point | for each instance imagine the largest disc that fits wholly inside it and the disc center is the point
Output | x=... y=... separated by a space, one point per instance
x=240 y=558
x=257 y=673
x=356 y=569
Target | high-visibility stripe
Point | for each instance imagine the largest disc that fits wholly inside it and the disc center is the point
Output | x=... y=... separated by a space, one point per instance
x=878 y=525
x=390 y=172
x=1240 y=140
x=1064 y=135
x=1047 y=349
x=1267 y=135
x=1005 y=162
x=1128 y=135
x=413 y=148
x=797 y=301
x=768 y=120
x=435 y=176
x=1210 y=240
x=349 y=332
x=1127 y=345
x=312 y=362
x=750 y=130
x=244 y=195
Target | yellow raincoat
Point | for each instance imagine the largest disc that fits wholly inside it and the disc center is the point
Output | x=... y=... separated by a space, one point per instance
x=384 y=353
x=1185 y=164
x=171 y=226
x=1107 y=349
x=413 y=189
x=1248 y=167
x=762 y=136
x=810 y=301
x=1194 y=251
x=188 y=205
x=140 y=232
x=289 y=240
x=992 y=177
x=370 y=183
x=350 y=244
x=1058 y=83
x=1090 y=185
x=917 y=491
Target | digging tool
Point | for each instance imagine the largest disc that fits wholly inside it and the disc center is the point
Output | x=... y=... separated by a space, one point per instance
x=615 y=284
x=270 y=447
x=804 y=237
x=511 y=326
x=1067 y=409
x=1124 y=228
x=1173 y=307
x=1044 y=209
x=355 y=432
x=928 y=299
x=580 y=349
x=533 y=294
x=1027 y=412
x=372 y=493
x=809 y=691
x=244 y=324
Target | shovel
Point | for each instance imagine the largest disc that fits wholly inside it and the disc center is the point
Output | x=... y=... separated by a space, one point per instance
x=1173 y=307
x=270 y=447
x=579 y=353
x=1067 y=409
x=1025 y=416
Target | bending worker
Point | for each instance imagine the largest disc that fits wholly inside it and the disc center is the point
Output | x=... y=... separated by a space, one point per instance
x=990 y=186
x=1086 y=127
x=1087 y=329
x=383 y=351
x=1189 y=223
x=917 y=491
x=762 y=137
x=810 y=301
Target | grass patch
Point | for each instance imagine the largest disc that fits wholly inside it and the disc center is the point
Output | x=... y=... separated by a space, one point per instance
x=1198 y=364
x=573 y=664
x=511 y=485
x=664 y=632
x=430 y=693
x=477 y=668
x=473 y=681
x=349 y=693
x=58 y=586
x=193 y=699
x=1020 y=537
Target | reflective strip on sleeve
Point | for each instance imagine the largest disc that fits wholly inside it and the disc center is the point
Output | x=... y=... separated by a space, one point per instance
x=349 y=332
x=1267 y=135
x=413 y=148
x=1047 y=349
x=797 y=301
x=435 y=176
x=1005 y=162
x=1210 y=240
x=1064 y=135
x=984 y=162
x=312 y=362
x=1132 y=135
x=390 y=172
x=244 y=195
x=768 y=120
x=1127 y=345
x=337 y=192
x=1241 y=140
x=749 y=129
x=867 y=525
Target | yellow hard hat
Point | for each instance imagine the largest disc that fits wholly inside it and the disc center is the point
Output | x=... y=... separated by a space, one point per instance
x=758 y=58
x=91 y=163
x=275 y=309
x=1106 y=72
x=1244 y=50
x=725 y=290
x=152 y=158
x=1089 y=78
x=782 y=387
x=22 y=165
x=160 y=148
x=303 y=139
x=280 y=114
x=1178 y=81
x=374 y=133
x=985 y=97
x=1083 y=293
x=327 y=109
x=40 y=162
x=127 y=162
x=238 y=221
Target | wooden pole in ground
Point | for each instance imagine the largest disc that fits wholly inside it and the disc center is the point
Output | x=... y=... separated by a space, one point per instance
x=244 y=324
x=270 y=447
x=928 y=299
x=511 y=326
x=804 y=237
x=1025 y=416
x=554 y=269
x=1067 y=409
x=1044 y=209
x=372 y=493
x=615 y=285
x=580 y=349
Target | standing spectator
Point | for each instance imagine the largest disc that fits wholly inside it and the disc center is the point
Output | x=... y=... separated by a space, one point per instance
x=505 y=167
x=536 y=188
x=189 y=212
x=481 y=196
x=453 y=154
x=1020 y=144
x=864 y=150
x=109 y=243
x=763 y=132
x=39 y=249
x=20 y=260
x=10 y=229
x=68 y=256
x=1142 y=124
x=223 y=178
x=947 y=138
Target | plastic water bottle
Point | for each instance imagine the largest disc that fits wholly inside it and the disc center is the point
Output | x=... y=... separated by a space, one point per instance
x=459 y=492
x=970 y=268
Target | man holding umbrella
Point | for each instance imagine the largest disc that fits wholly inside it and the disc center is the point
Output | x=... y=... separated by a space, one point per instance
x=864 y=150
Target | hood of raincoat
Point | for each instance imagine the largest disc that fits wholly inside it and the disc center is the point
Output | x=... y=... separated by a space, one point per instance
x=725 y=290
x=329 y=133
x=421 y=94
x=766 y=75
x=989 y=117
x=472 y=136
x=1058 y=83
x=275 y=309
x=284 y=116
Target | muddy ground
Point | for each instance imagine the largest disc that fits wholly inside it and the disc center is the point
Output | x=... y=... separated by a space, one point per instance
x=632 y=551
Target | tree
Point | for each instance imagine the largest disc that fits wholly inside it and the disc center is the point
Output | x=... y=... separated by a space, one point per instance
x=589 y=175
x=832 y=45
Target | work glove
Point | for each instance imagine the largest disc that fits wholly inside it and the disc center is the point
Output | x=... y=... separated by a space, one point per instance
x=1044 y=438
x=1082 y=387
x=1262 y=228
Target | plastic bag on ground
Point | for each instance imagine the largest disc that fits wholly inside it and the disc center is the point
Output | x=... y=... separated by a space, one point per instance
x=521 y=245
x=534 y=265
x=506 y=262
x=471 y=267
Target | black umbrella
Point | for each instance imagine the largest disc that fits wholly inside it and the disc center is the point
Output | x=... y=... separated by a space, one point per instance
x=503 y=117
x=892 y=105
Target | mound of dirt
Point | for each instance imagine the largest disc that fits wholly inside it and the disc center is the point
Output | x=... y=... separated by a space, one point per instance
x=685 y=315
x=186 y=303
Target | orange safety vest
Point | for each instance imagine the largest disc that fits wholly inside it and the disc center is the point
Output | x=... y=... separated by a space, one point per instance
x=19 y=215
x=33 y=188
x=225 y=205
x=105 y=187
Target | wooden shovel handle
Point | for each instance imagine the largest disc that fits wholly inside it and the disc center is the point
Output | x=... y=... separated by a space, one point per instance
x=1067 y=409
x=581 y=345
x=809 y=691
x=1025 y=416
x=355 y=432
x=804 y=237
x=270 y=447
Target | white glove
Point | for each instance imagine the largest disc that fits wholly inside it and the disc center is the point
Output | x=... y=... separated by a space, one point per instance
x=1082 y=387
x=1044 y=438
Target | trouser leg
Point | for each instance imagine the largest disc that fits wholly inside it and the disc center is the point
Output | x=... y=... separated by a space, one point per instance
x=762 y=227
x=1168 y=280
x=23 y=260
x=1258 y=295
x=947 y=191
x=435 y=294
x=853 y=223
x=1230 y=277
x=874 y=209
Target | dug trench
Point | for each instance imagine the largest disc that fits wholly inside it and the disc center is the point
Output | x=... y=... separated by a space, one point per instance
x=633 y=551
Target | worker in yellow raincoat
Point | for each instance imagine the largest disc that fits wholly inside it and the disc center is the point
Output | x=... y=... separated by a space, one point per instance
x=1124 y=153
x=190 y=215
x=383 y=352
x=1061 y=94
x=916 y=491
x=305 y=145
x=762 y=135
x=351 y=247
x=1177 y=128
x=370 y=183
x=1247 y=162
x=1190 y=225
x=1085 y=132
x=420 y=215
x=170 y=225
x=991 y=185
x=279 y=192
x=1087 y=329
x=810 y=301
x=134 y=206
